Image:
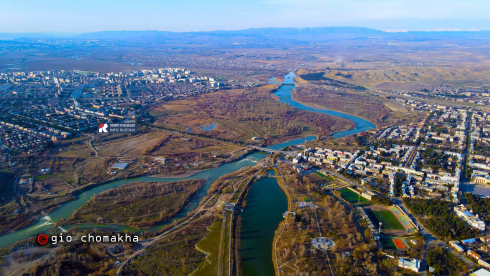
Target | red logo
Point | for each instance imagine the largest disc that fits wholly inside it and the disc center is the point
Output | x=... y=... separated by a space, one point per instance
x=103 y=128
x=42 y=239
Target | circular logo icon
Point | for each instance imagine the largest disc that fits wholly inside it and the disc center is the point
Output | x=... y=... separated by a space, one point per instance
x=42 y=239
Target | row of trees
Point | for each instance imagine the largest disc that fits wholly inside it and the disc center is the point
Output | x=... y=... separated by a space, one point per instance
x=480 y=206
x=444 y=262
x=439 y=217
x=335 y=221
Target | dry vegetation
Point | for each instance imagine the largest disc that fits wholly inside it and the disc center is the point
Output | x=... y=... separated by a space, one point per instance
x=75 y=259
x=174 y=255
x=353 y=102
x=139 y=204
x=336 y=222
x=241 y=114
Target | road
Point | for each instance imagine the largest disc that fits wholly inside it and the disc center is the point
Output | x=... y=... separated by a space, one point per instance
x=178 y=227
x=411 y=157
x=92 y=138
x=430 y=237
x=290 y=153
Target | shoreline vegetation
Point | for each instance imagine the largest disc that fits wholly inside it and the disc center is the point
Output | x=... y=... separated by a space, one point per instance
x=138 y=204
x=317 y=106
x=294 y=96
x=362 y=105
x=341 y=227
x=73 y=195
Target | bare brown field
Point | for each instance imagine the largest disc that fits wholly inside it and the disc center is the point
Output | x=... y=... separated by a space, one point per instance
x=139 y=204
x=397 y=107
x=448 y=69
x=133 y=146
x=243 y=113
x=343 y=100
x=406 y=86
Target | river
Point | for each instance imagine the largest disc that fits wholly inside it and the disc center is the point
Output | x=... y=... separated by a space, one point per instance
x=67 y=209
x=259 y=197
x=265 y=204
x=284 y=94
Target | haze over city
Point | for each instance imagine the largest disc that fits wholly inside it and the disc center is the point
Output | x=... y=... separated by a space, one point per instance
x=245 y=138
x=68 y=17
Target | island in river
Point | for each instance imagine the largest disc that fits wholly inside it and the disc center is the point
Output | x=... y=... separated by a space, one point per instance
x=139 y=204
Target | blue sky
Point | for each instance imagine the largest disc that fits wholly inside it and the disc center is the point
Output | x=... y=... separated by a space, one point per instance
x=75 y=16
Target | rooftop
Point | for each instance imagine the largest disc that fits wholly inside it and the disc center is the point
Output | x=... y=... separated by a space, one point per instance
x=480 y=272
x=120 y=166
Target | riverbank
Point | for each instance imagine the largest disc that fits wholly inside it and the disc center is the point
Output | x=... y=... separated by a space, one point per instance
x=317 y=106
x=152 y=203
x=285 y=96
x=283 y=140
x=284 y=188
x=187 y=174
x=265 y=203
x=66 y=209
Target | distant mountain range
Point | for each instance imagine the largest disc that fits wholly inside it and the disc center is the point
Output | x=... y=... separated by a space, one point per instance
x=294 y=34
x=12 y=36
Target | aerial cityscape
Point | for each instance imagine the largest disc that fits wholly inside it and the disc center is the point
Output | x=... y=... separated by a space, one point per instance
x=323 y=139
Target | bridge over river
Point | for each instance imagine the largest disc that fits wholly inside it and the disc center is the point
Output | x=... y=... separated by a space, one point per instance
x=290 y=153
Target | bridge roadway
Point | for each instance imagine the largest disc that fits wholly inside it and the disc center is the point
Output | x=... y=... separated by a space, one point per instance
x=290 y=153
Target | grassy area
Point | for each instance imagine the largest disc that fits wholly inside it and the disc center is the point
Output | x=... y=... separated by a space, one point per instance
x=44 y=177
x=388 y=244
x=327 y=177
x=352 y=197
x=210 y=245
x=225 y=245
x=387 y=218
x=176 y=254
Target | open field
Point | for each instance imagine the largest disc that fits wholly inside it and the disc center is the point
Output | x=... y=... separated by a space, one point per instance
x=388 y=243
x=131 y=146
x=355 y=102
x=390 y=222
x=327 y=177
x=176 y=254
x=352 y=197
x=210 y=246
x=412 y=78
x=244 y=113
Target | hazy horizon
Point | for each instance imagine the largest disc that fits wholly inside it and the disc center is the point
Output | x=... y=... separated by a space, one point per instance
x=66 y=34
x=63 y=17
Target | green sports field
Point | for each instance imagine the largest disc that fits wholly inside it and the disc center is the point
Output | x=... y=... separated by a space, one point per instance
x=352 y=197
x=387 y=218
x=388 y=244
x=327 y=177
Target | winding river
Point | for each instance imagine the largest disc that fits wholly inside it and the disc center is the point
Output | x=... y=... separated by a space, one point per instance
x=258 y=198
x=284 y=94
x=266 y=201
x=67 y=209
